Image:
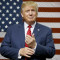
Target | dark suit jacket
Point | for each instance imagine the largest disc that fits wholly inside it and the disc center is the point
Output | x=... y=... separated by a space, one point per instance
x=15 y=39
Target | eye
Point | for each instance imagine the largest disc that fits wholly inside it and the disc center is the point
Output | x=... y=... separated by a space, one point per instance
x=33 y=10
x=27 y=10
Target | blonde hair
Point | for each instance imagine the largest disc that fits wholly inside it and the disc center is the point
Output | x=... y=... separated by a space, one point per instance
x=29 y=3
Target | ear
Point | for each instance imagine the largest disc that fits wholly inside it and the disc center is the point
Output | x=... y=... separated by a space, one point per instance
x=21 y=14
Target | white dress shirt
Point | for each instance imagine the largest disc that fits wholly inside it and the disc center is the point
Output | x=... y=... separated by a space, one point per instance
x=26 y=29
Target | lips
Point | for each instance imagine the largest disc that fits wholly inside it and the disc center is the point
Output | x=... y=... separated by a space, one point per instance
x=31 y=17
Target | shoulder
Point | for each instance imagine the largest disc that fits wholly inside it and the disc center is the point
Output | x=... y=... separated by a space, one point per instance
x=43 y=27
x=14 y=27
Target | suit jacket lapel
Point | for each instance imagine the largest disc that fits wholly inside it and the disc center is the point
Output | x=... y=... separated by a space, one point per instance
x=37 y=30
x=22 y=33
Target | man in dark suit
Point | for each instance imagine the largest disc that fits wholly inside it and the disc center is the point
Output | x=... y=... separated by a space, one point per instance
x=37 y=44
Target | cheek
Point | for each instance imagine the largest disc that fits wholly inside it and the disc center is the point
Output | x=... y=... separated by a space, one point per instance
x=35 y=14
x=26 y=14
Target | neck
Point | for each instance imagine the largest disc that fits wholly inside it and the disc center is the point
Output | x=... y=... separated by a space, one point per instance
x=30 y=23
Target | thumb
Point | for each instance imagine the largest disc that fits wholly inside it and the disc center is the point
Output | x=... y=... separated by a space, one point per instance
x=33 y=35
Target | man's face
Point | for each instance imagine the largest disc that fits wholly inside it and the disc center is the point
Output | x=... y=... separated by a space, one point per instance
x=29 y=14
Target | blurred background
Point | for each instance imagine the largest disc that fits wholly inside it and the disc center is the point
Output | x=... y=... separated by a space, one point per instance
x=48 y=14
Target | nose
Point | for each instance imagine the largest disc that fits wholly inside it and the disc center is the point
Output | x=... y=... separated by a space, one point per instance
x=30 y=13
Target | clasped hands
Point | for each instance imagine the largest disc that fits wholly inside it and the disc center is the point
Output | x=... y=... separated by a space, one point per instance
x=28 y=51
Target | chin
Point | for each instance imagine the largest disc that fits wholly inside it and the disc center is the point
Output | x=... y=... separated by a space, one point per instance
x=31 y=20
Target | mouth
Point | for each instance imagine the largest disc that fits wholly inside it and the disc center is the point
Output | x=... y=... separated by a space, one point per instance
x=31 y=17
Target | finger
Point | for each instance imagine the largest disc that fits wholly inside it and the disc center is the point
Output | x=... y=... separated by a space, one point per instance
x=28 y=40
x=30 y=53
x=29 y=49
x=28 y=36
x=27 y=56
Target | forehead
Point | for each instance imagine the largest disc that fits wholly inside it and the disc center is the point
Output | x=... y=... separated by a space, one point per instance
x=29 y=7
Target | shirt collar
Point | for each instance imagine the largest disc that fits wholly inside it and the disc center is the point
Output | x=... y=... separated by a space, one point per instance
x=26 y=25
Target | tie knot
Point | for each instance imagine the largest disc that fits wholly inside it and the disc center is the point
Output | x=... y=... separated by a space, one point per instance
x=29 y=26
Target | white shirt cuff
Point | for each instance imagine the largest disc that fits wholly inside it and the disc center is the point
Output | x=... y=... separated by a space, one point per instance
x=35 y=47
x=19 y=56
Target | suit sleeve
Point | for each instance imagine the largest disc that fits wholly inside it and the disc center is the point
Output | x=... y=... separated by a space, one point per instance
x=48 y=50
x=6 y=49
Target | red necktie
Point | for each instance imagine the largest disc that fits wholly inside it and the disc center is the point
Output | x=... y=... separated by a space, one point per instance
x=28 y=33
